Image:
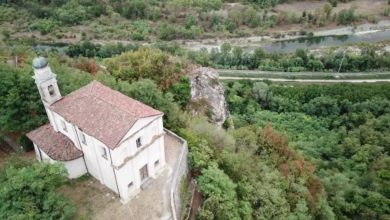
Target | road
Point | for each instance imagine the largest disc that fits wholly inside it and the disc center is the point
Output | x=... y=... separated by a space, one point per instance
x=309 y=77
x=230 y=72
x=307 y=80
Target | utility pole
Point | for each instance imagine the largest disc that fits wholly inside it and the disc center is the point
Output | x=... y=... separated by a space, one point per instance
x=341 y=63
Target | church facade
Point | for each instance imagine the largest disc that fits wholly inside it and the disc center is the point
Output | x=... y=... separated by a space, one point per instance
x=97 y=130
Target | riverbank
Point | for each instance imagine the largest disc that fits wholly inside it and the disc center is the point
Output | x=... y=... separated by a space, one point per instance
x=361 y=33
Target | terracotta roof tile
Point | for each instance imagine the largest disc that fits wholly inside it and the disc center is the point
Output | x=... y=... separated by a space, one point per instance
x=56 y=145
x=101 y=112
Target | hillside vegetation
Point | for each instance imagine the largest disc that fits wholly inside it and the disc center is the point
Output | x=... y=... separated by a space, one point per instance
x=148 y=20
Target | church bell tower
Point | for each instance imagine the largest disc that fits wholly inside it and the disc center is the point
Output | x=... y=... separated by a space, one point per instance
x=46 y=81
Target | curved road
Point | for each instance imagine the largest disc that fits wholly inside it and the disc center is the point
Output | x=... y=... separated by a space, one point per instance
x=307 y=80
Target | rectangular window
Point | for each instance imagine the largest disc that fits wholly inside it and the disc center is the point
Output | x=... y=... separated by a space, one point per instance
x=156 y=163
x=63 y=124
x=51 y=90
x=138 y=142
x=104 y=152
x=83 y=140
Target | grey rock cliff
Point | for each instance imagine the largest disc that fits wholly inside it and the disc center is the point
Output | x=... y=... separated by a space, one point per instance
x=206 y=87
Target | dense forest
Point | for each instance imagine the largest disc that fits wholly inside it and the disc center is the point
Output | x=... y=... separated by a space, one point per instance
x=342 y=133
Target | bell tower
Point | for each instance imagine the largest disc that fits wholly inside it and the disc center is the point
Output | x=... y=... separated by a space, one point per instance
x=46 y=81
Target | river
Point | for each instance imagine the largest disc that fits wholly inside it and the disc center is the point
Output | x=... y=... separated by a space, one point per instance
x=288 y=46
x=364 y=33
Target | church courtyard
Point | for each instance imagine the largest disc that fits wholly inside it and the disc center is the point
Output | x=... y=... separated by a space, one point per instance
x=95 y=201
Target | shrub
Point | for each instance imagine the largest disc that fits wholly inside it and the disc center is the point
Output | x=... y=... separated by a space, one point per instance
x=71 y=14
x=7 y=13
x=140 y=30
x=45 y=26
x=135 y=9
x=346 y=16
x=166 y=32
x=387 y=12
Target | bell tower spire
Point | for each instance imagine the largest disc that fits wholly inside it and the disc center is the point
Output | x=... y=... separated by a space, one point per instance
x=46 y=81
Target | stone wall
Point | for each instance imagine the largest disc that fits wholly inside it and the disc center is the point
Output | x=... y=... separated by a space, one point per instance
x=179 y=173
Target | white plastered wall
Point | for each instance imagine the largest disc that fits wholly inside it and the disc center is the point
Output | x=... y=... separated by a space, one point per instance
x=129 y=159
x=75 y=168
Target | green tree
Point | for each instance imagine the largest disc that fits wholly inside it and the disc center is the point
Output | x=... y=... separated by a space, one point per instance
x=145 y=63
x=261 y=93
x=28 y=191
x=20 y=106
x=181 y=91
x=322 y=106
x=221 y=198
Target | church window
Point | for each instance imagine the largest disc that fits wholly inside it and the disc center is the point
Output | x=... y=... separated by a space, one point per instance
x=138 y=142
x=83 y=140
x=51 y=90
x=63 y=124
x=104 y=152
x=156 y=163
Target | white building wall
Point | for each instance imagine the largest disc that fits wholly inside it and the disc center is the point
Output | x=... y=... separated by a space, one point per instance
x=130 y=172
x=139 y=124
x=103 y=160
x=70 y=131
x=128 y=147
x=129 y=159
x=51 y=118
x=75 y=168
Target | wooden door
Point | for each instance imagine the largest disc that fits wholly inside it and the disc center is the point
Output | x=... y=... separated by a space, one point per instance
x=144 y=173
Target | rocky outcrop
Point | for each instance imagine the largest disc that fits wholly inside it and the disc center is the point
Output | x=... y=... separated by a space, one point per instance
x=206 y=90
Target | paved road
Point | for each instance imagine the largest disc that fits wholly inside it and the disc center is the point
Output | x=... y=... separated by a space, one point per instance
x=229 y=72
x=308 y=80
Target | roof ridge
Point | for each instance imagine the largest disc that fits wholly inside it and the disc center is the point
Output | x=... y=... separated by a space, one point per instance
x=97 y=83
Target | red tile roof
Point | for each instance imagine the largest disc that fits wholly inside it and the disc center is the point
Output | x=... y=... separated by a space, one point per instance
x=101 y=112
x=56 y=145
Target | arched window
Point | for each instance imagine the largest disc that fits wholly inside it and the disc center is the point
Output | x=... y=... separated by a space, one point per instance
x=51 y=90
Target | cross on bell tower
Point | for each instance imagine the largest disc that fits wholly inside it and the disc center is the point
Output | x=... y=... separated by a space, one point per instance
x=46 y=81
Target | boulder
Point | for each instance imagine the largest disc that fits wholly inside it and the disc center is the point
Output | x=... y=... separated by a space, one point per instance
x=205 y=87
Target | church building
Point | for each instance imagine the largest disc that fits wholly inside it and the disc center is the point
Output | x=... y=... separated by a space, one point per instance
x=97 y=130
